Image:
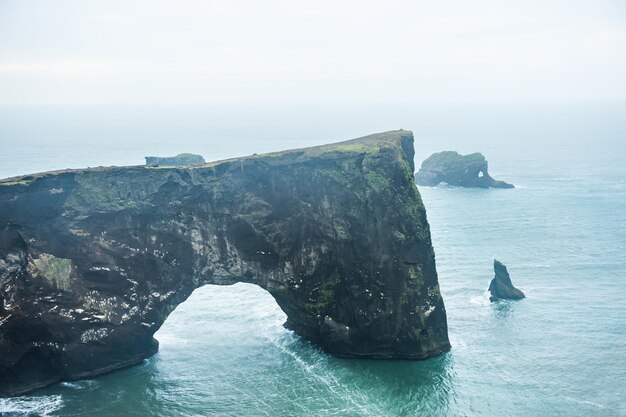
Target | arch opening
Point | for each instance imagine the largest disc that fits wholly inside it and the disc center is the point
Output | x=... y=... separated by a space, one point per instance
x=222 y=317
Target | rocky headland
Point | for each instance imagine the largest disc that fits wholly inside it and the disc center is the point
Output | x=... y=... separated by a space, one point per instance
x=459 y=170
x=92 y=261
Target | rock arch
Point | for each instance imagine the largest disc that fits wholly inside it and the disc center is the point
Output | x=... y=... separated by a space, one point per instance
x=92 y=261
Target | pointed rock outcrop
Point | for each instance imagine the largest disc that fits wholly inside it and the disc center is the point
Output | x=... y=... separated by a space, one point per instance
x=501 y=286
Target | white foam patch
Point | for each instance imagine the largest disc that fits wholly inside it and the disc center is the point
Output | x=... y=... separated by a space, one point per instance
x=585 y=402
x=482 y=299
x=31 y=405
x=315 y=369
x=458 y=342
x=79 y=385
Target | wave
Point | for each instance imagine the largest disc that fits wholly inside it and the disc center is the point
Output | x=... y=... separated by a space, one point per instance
x=316 y=367
x=482 y=300
x=585 y=402
x=30 y=406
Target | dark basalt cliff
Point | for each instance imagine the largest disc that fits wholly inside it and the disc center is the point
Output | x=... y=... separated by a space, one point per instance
x=93 y=261
x=501 y=286
x=455 y=169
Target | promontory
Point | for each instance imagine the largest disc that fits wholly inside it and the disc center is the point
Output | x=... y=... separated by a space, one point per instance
x=92 y=261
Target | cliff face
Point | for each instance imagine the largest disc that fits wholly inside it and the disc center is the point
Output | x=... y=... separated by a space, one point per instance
x=459 y=170
x=93 y=261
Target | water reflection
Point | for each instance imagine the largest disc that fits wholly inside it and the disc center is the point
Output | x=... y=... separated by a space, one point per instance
x=502 y=308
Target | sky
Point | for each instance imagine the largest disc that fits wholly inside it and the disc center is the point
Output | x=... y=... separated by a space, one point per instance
x=289 y=53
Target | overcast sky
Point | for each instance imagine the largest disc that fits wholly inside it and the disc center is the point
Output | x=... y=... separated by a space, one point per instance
x=248 y=52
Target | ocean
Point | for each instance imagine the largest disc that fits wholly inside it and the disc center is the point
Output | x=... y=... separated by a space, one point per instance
x=561 y=232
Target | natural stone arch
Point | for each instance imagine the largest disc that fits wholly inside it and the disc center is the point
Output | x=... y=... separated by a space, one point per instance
x=206 y=308
x=451 y=168
x=93 y=261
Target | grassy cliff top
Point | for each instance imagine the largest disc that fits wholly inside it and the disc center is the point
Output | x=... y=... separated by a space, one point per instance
x=362 y=144
x=365 y=144
x=399 y=139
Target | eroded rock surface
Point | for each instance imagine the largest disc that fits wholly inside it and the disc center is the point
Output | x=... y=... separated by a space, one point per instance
x=501 y=286
x=93 y=261
x=459 y=170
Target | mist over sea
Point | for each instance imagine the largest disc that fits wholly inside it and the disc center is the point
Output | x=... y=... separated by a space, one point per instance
x=561 y=232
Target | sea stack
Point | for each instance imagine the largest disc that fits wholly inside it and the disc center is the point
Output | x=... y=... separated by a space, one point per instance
x=501 y=286
x=459 y=170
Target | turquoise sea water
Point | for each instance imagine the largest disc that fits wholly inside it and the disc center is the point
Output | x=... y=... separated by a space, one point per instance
x=561 y=232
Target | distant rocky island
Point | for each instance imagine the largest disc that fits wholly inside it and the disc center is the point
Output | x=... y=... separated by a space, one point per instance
x=182 y=159
x=501 y=286
x=92 y=261
x=455 y=169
